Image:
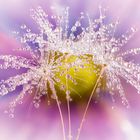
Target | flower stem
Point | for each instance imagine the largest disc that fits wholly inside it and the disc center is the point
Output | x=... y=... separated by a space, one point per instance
x=61 y=117
x=68 y=105
x=59 y=108
x=87 y=106
x=69 y=118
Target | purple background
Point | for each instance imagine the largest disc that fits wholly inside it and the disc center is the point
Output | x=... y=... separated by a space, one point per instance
x=102 y=122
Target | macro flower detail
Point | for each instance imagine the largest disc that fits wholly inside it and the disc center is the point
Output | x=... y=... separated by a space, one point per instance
x=40 y=74
x=106 y=51
x=58 y=51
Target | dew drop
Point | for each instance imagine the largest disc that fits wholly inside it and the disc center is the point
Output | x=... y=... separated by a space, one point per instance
x=11 y=116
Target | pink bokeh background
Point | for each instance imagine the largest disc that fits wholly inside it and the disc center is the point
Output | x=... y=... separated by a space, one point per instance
x=105 y=120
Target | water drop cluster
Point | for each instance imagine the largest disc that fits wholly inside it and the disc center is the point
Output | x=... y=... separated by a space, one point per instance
x=57 y=42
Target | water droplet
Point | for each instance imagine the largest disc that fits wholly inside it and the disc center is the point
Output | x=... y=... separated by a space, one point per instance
x=23 y=26
x=11 y=116
x=36 y=105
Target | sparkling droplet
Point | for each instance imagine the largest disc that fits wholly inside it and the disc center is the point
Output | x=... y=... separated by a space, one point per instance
x=11 y=116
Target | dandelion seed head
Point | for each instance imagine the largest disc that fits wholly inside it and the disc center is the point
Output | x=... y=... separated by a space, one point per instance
x=105 y=49
x=55 y=43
